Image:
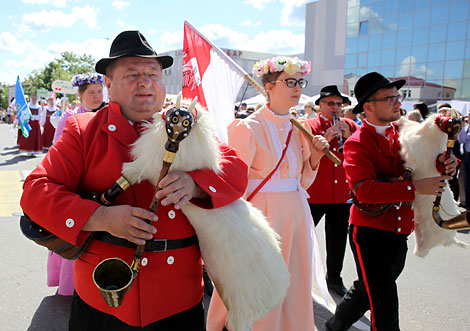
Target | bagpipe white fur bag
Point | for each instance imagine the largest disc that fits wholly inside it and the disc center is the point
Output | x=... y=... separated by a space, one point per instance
x=239 y=248
x=421 y=144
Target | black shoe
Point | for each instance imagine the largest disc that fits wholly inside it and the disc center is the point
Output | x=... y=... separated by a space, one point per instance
x=334 y=324
x=337 y=288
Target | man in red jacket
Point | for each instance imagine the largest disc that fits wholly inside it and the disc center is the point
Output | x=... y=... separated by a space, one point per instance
x=330 y=191
x=88 y=157
x=379 y=241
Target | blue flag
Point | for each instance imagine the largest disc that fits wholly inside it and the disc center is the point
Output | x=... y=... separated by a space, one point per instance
x=23 y=114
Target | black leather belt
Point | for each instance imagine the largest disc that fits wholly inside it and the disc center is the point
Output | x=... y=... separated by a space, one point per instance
x=152 y=245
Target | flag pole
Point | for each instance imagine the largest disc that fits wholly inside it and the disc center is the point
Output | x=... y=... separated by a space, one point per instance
x=255 y=84
x=247 y=76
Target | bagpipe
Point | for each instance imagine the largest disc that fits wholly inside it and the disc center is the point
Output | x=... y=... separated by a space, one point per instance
x=421 y=144
x=240 y=250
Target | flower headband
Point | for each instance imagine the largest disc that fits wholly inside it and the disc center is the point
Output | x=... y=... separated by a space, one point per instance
x=87 y=78
x=290 y=65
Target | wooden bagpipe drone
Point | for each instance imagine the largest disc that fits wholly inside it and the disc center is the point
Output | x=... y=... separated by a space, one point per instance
x=421 y=144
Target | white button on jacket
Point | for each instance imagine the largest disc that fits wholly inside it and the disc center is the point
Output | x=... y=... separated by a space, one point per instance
x=69 y=222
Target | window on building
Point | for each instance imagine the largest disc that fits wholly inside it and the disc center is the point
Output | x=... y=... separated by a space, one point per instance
x=364 y=28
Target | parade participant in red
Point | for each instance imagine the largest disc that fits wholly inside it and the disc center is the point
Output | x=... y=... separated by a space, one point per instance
x=48 y=128
x=378 y=235
x=88 y=157
x=33 y=144
x=329 y=193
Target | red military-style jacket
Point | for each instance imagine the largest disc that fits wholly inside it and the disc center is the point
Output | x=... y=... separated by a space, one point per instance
x=330 y=185
x=88 y=157
x=368 y=158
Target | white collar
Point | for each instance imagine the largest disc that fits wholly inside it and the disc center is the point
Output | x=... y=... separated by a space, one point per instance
x=288 y=115
x=380 y=129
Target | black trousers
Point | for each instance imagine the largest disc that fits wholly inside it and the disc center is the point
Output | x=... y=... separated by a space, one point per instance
x=466 y=169
x=380 y=258
x=83 y=317
x=336 y=235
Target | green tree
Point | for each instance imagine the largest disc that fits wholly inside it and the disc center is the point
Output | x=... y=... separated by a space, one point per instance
x=3 y=95
x=63 y=68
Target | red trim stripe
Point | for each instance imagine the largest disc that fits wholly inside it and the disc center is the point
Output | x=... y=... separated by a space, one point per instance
x=366 y=284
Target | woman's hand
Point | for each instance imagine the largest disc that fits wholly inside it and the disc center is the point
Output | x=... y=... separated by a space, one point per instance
x=317 y=145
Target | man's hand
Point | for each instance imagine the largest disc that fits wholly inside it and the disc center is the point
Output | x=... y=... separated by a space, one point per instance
x=431 y=185
x=124 y=222
x=341 y=127
x=450 y=164
x=178 y=187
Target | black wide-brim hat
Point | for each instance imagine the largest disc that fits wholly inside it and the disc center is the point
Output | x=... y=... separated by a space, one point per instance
x=369 y=84
x=328 y=91
x=131 y=43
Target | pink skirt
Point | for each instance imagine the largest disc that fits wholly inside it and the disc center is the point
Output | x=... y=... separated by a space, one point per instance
x=60 y=273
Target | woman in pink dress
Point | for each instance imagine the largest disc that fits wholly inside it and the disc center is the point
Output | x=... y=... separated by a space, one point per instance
x=260 y=140
x=90 y=91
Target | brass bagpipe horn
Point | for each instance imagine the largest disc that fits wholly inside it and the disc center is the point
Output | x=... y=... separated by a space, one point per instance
x=113 y=276
x=451 y=126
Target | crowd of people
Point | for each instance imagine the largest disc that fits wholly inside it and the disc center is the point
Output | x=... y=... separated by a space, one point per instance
x=45 y=113
x=281 y=170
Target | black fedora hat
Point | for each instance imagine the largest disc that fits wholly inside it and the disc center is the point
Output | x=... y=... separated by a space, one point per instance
x=131 y=43
x=369 y=84
x=328 y=91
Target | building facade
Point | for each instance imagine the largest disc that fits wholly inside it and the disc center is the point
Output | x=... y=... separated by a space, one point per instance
x=426 y=42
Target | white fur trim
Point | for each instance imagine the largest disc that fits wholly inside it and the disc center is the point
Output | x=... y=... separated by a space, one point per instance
x=199 y=151
x=421 y=143
x=242 y=255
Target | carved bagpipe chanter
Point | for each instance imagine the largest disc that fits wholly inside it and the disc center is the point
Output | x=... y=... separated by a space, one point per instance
x=436 y=218
x=240 y=250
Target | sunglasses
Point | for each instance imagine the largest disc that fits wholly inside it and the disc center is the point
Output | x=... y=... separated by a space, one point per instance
x=332 y=103
x=292 y=82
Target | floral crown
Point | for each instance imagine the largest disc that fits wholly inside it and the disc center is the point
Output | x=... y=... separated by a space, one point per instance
x=87 y=78
x=290 y=65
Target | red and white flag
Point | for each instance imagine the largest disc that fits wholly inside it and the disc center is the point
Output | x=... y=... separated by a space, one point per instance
x=212 y=76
